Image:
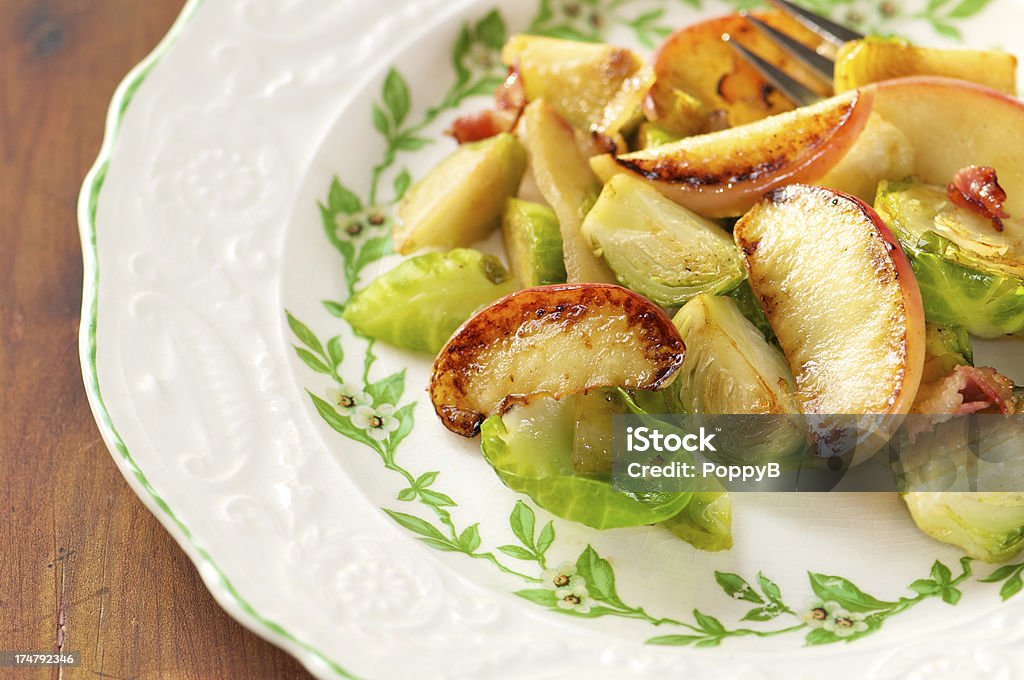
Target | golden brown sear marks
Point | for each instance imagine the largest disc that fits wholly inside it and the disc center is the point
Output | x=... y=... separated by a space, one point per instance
x=552 y=341
x=730 y=169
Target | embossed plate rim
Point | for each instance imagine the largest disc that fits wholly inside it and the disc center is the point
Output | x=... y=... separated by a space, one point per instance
x=215 y=580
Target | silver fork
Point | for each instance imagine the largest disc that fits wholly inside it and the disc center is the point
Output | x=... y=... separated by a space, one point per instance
x=818 y=61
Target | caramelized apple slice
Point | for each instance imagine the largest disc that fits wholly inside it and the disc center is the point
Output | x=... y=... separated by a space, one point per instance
x=696 y=63
x=568 y=186
x=722 y=174
x=552 y=341
x=840 y=295
x=952 y=124
x=592 y=85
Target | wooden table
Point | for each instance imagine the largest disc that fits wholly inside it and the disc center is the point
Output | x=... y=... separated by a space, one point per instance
x=83 y=565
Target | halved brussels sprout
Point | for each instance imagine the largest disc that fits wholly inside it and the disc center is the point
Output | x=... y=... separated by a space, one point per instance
x=988 y=526
x=657 y=248
x=459 y=202
x=970 y=274
x=531 y=447
x=533 y=242
x=419 y=304
x=730 y=368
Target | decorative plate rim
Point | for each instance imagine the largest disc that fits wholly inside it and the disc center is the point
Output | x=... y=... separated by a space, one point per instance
x=215 y=580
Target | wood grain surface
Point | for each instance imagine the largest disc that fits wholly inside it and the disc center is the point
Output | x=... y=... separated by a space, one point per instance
x=84 y=567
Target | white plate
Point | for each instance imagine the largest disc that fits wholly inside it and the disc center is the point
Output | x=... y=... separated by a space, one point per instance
x=200 y=226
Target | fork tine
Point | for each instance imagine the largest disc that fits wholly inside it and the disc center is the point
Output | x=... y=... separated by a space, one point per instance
x=820 y=66
x=791 y=89
x=828 y=30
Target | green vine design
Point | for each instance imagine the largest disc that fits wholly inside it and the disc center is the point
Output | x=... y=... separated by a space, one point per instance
x=839 y=612
x=1010 y=576
x=373 y=411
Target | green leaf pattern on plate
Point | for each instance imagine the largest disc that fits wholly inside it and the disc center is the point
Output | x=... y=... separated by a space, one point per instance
x=371 y=411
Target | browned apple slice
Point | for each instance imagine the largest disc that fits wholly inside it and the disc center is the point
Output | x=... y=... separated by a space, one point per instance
x=952 y=124
x=696 y=62
x=552 y=341
x=841 y=297
x=722 y=174
x=567 y=184
x=592 y=85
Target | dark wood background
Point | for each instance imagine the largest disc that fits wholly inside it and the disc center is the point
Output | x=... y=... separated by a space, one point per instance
x=83 y=565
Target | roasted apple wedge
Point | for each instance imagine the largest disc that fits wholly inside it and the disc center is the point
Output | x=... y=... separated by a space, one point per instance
x=695 y=66
x=841 y=298
x=552 y=341
x=567 y=184
x=460 y=201
x=952 y=124
x=592 y=85
x=722 y=174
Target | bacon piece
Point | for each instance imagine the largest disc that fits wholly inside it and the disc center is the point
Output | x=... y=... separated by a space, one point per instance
x=986 y=389
x=966 y=390
x=510 y=100
x=977 y=189
x=482 y=124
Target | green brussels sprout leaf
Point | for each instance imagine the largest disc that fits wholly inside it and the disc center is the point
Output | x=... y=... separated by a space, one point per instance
x=706 y=522
x=531 y=450
x=419 y=304
x=987 y=526
x=970 y=274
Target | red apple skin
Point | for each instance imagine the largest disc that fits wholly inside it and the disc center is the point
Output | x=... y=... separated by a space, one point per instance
x=724 y=173
x=899 y=395
x=954 y=123
x=914 y=340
